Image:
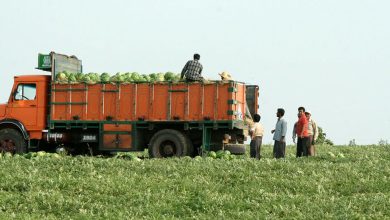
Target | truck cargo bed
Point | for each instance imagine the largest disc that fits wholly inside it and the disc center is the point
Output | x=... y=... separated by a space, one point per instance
x=148 y=101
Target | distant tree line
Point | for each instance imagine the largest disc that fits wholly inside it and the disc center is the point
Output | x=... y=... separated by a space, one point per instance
x=322 y=138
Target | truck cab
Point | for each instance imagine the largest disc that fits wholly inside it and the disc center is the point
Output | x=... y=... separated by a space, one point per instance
x=23 y=117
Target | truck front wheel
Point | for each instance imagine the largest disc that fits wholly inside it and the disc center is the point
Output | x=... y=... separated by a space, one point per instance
x=12 y=141
x=169 y=143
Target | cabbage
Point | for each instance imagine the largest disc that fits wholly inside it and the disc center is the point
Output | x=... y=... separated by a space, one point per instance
x=160 y=77
x=143 y=78
x=66 y=74
x=104 y=78
x=94 y=77
x=169 y=76
x=127 y=77
x=72 y=77
x=86 y=78
x=118 y=78
x=79 y=76
x=135 y=76
x=61 y=77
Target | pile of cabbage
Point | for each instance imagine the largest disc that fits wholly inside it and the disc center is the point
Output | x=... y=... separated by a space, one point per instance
x=92 y=78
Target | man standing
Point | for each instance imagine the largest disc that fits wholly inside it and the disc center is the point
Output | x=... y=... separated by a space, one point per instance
x=280 y=135
x=313 y=133
x=192 y=71
x=256 y=132
x=302 y=133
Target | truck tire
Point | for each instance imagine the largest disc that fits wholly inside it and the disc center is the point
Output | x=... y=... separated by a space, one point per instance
x=236 y=148
x=169 y=143
x=12 y=141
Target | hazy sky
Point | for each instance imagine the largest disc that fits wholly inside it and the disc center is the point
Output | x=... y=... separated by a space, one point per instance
x=331 y=56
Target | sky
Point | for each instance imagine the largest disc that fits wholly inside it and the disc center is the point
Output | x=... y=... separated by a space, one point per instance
x=330 y=56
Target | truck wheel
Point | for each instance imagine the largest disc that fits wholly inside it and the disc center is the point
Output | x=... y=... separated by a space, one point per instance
x=12 y=141
x=236 y=148
x=168 y=143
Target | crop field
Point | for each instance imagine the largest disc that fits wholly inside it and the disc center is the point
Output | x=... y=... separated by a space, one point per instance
x=340 y=182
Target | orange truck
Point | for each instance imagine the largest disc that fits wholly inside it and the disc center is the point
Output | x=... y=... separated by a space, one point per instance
x=168 y=118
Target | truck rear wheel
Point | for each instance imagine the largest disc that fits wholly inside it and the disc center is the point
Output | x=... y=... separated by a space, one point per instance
x=12 y=141
x=169 y=143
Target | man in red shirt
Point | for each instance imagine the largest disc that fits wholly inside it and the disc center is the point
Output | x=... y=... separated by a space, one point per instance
x=302 y=133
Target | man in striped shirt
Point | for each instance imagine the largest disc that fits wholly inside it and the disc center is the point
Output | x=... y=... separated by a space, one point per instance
x=192 y=71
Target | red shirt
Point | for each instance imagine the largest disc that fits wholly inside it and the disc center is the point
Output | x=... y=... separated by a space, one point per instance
x=302 y=125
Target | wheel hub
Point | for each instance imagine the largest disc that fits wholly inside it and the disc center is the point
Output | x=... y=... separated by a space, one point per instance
x=7 y=145
x=168 y=148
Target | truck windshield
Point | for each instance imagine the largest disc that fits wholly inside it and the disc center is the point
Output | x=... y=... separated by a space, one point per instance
x=25 y=92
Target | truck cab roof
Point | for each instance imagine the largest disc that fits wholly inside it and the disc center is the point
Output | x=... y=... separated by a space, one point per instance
x=32 y=78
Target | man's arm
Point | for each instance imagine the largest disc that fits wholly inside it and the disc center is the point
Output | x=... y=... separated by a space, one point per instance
x=201 y=68
x=294 y=134
x=184 y=70
x=315 y=130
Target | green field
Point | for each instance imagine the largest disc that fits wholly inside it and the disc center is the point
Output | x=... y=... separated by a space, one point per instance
x=341 y=182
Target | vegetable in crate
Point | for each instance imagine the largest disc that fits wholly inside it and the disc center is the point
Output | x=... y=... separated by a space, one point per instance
x=127 y=77
x=79 y=77
x=61 y=77
x=142 y=78
x=94 y=77
x=160 y=77
x=86 y=79
x=105 y=78
x=135 y=76
x=118 y=78
x=72 y=78
x=153 y=77
x=169 y=76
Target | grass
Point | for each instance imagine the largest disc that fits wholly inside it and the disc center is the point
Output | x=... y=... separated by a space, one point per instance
x=341 y=182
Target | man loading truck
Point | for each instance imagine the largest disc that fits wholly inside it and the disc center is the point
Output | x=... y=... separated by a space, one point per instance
x=192 y=71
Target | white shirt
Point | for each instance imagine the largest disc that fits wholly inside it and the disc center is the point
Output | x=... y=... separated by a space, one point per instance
x=280 y=129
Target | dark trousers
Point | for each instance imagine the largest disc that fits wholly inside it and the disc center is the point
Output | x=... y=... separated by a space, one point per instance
x=279 y=149
x=303 y=146
x=255 y=147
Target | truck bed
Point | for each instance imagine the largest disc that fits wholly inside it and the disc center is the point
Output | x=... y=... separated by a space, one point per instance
x=218 y=101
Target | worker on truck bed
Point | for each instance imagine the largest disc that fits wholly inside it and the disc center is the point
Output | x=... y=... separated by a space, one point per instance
x=192 y=71
x=225 y=76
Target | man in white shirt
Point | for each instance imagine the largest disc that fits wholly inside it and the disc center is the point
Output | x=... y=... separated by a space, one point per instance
x=256 y=131
x=280 y=135
x=313 y=133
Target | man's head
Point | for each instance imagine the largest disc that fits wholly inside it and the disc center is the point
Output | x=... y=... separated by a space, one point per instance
x=301 y=110
x=307 y=114
x=280 y=113
x=256 y=117
x=196 y=56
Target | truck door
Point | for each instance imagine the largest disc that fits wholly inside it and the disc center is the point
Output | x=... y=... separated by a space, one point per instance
x=24 y=104
x=252 y=94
